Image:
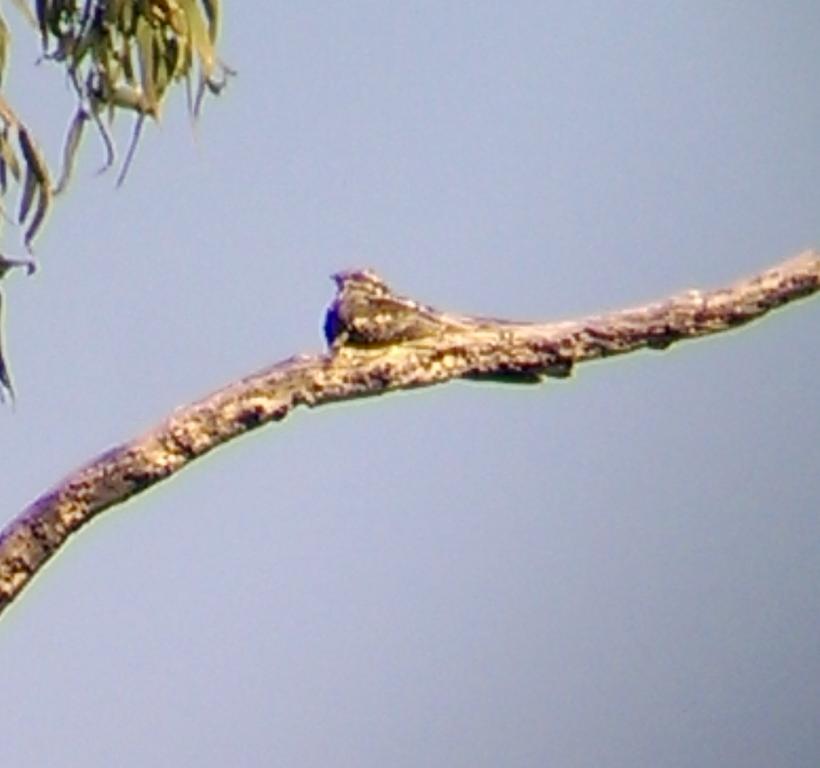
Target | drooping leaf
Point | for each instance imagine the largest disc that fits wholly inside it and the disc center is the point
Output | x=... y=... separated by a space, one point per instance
x=5 y=376
x=37 y=182
x=8 y=156
x=5 y=43
x=42 y=10
x=132 y=150
x=199 y=36
x=145 y=46
x=27 y=195
x=212 y=13
x=70 y=147
x=43 y=204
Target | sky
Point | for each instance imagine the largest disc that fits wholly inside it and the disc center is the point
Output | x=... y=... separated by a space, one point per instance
x=618 y=569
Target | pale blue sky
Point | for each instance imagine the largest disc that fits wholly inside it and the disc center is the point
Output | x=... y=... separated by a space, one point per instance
x=617 y=570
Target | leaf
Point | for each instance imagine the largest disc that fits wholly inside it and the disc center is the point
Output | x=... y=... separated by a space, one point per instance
x=41 y=7
x=145 y=46
x=36 y=180
x=212 y=13
x=105 y=137
x=43 y=203
x=34 y=160
x=129 y=98
x=72 y=143
x=27 y=195
x=124 y=58
x=5 y=376
x=114 y=9
x=200 y=37
x=8 y=156
x=5 y=44
x=7 y=264
x=164 y=65
x=173 y=59
x=132 y=150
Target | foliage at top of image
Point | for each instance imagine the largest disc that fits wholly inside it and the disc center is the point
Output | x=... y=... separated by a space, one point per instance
x=119 y=56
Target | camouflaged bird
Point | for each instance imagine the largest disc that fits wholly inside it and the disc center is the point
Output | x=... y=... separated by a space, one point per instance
x=366 y=313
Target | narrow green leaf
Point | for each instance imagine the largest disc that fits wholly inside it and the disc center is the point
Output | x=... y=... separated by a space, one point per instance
x=200 y=38
x=5 y=44
x=145 y=46
x=212 y=13
x=8 y=155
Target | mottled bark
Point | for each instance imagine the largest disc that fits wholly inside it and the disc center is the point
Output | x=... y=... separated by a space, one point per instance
x=379 y=342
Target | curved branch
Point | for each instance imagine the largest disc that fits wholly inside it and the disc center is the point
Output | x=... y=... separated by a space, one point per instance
x=379 y=342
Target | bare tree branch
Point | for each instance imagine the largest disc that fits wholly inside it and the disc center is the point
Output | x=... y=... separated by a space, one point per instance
x=379 y=342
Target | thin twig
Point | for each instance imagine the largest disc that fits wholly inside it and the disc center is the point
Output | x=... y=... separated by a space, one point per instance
x=379 y=342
